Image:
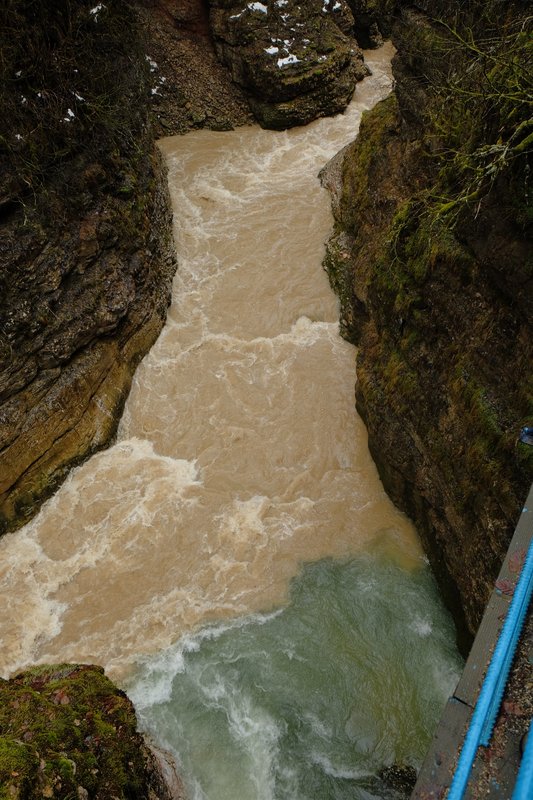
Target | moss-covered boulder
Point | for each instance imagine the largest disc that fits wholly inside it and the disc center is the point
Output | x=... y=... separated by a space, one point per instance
x=67 y=732
x=296 y=60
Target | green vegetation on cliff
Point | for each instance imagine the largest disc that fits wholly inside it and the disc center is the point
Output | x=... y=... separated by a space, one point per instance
x=476 y=62
x=432 y=259
x=66 y=732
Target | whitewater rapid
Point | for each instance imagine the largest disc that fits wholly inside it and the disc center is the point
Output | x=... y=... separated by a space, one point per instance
x=241 y=480
x=239 y=455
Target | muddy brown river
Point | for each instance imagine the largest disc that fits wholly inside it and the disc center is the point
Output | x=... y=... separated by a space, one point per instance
x=239 y=459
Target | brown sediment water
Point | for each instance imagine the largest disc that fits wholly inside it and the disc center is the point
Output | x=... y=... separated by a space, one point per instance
x=240 y=455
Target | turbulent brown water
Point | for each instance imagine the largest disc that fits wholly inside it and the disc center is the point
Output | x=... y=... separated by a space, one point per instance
x=240 y=455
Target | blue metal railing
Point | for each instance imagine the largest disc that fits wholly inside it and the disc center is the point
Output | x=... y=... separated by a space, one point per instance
x=490 y=696
x=523 y=789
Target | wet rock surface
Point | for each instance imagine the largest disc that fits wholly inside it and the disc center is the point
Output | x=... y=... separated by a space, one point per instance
x=189 y=87
x=82 y=301
x=86 y=257
x=281 y=63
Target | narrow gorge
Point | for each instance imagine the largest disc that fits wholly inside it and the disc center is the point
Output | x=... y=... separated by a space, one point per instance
x=231 y=557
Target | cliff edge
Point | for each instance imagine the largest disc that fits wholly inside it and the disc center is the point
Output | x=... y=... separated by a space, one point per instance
x=66 y=731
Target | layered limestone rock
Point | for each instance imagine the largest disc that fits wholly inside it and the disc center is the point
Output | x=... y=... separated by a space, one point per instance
x=67 y=732
x=439 y=305
x=296 y=60
x=81 y=305
x=86 y=256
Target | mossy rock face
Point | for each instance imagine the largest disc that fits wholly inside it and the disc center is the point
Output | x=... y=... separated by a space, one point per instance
x=442 y=321
x=67 y=732
x=362 y=213
x=296 y=61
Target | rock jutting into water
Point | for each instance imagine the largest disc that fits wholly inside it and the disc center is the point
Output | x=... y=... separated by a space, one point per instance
x=66 y=731
x=296 y=60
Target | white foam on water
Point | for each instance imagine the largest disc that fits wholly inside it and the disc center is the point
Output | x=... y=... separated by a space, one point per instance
x=444 y=677
x=338 y=772
x=239 y=455
x=423 y=627
x=79 y=532
x=319 y=727
x=155 y=673
x=297 y=703
x=258 y=734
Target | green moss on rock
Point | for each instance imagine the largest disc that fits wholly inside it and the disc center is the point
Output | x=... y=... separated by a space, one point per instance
x=67 y=732
x=439 y=309
x=377 y=126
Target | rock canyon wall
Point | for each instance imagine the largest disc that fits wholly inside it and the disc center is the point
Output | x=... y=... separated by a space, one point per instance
x=430 y=260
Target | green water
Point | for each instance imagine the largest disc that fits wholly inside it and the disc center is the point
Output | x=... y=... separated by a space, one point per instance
x=312 y=701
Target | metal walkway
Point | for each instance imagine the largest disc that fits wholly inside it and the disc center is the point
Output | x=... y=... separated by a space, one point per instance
x=462 y=753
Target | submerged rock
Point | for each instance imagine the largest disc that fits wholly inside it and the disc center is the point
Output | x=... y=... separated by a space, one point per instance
x=400 y=778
